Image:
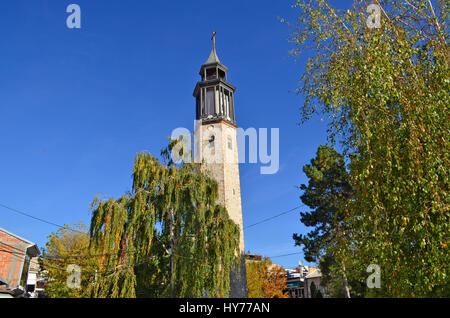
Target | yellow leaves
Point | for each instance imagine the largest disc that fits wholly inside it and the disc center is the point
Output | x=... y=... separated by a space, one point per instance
x=69 y=245
x=404 y=122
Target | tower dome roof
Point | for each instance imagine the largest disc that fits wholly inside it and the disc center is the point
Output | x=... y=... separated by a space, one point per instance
x=213 y=58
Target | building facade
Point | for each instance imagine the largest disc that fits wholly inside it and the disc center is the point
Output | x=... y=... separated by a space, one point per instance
x=16 y=255
x=216 y=147
x=314 y=278
x=300 y=280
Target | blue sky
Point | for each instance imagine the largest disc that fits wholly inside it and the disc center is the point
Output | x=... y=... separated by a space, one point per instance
x=77 y=105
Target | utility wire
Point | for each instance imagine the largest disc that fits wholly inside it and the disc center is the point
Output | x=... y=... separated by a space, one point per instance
x=272 y=217
x=33 y=217
x=284 y=255
x=122 y=267
x=20 y=252
x=61 y=226
x=87 y=256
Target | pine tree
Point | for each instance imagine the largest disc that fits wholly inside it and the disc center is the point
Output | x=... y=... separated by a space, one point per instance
x=327 y=194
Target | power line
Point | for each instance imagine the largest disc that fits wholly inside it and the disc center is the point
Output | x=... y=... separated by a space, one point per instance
x=272 y=217
x=65 y=269
x=62 y=226
x=33 y=217
x=285 y=255
x=65 y=257
x=130 y=252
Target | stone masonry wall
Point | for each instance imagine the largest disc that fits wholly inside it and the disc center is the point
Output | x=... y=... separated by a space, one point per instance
x=221 y=162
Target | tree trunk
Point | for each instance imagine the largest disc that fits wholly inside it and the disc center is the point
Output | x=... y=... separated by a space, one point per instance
x=344 y=276
x=172 y=246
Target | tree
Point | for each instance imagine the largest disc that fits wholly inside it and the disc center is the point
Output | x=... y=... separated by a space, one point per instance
x=255 y=277
x=265 y=280
x=315 y=292
x=385 y=92
x=167 y=238
x=327 y=194
x=69 y=245
x=274 y=284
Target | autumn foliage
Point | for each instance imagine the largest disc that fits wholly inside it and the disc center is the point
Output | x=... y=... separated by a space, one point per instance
x=265 y=280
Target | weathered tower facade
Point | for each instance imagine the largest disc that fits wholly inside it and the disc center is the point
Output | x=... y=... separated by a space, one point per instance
x=216 y=147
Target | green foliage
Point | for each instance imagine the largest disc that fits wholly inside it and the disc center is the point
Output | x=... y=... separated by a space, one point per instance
x=386 y=94
x=327 y=194
x=69 y=245
x=255 y=277
x=168 y=238
x=315 y=292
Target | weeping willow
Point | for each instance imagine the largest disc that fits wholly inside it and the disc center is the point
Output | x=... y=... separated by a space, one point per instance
x=166 y=238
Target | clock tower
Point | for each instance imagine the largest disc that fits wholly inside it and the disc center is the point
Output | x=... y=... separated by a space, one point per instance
x=216 y=147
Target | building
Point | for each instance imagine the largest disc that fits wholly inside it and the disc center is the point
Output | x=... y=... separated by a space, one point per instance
x=216 y=147
x=33 y=275
x=295 y=282
x=18 y=261
x=314 y=277
x=300 y=279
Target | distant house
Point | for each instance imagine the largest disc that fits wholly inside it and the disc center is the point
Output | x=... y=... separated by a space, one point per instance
x=300 y=279
x=314 y=277
x=295 y=282
x=18 y=261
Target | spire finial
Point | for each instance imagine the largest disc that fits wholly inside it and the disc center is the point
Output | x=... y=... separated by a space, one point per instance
x=213 y=58
x=214 y=38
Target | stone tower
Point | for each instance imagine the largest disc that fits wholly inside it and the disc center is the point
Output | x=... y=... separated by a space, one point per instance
x=216 y=147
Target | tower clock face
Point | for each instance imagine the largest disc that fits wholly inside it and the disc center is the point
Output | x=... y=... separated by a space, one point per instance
x=210 y=136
